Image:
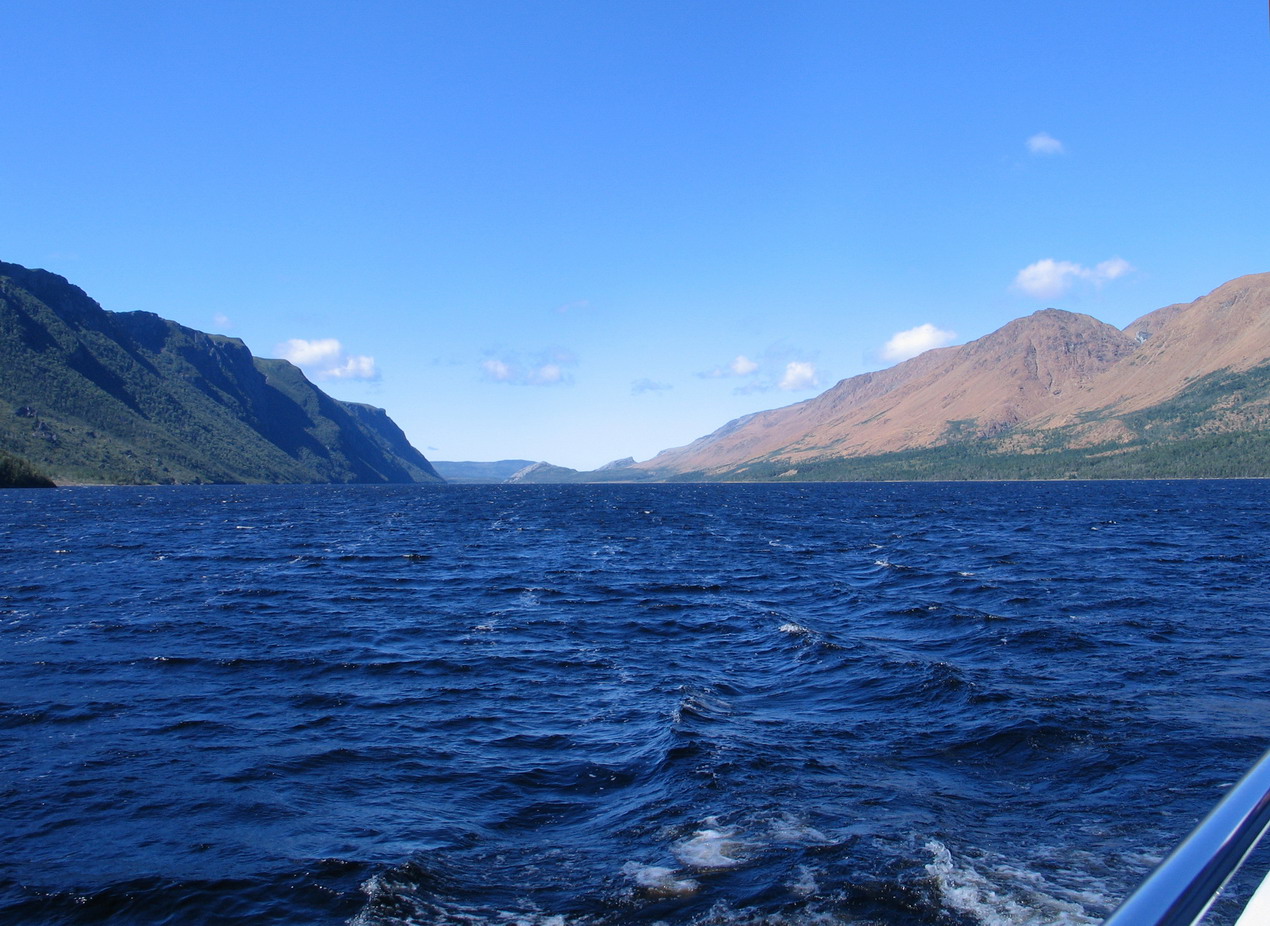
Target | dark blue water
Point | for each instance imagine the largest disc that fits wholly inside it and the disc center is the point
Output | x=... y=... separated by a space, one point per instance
x=907 y=703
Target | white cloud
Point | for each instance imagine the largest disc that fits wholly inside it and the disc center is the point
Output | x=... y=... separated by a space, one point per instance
x=1111 y=269
x=360 y=367
x=325 y=358
x=1045 y=143
x=310 y=353
x=546 y=374
x=905 y=344
x=779 y=366
x=1049 y=278
x=222 y=321
x=545 y=368
x=497 y=370
x=799 y=375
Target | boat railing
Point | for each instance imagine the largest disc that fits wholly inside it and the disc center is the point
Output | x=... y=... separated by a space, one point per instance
x=1182 y=887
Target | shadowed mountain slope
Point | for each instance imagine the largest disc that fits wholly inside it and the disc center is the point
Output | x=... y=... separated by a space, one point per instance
x=88 y=395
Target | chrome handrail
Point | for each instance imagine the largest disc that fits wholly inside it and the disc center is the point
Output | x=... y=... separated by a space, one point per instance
x=1182 y=888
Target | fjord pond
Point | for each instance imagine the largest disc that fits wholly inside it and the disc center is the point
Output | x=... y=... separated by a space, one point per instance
x=900 y=703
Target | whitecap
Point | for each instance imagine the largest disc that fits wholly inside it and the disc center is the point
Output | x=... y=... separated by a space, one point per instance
x=805 y=885
x=659 y=881
x=789 y=829
x=709 y=848
x=1004 y=896
x=700 y=706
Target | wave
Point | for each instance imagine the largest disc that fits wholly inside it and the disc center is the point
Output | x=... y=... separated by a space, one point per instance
x=619 y=705
x=996 y=893
x=723 y=877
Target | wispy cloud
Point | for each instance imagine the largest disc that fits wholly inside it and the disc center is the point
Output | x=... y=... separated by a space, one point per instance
x=1112 y=269
x=740 y=366
x=1044 y=143
x=1049 y=278
x=544 y=368
x=325 y=358
x=497 y=370
x=222 y=321
x=905 y=344
x=641 y=386
x=778 y=367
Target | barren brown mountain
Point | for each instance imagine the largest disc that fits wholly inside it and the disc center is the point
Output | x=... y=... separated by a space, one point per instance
x=1052 y=378
x=1229 y=329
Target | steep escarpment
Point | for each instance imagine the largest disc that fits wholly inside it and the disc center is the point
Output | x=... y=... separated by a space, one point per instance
x=88 y=395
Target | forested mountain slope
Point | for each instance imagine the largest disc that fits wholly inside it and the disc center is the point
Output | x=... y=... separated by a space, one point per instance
x=90 y=396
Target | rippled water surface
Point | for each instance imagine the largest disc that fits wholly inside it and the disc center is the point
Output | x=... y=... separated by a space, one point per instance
x=878 y=704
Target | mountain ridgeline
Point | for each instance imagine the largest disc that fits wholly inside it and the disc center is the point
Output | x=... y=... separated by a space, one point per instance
x=1181 y=392
x=90 y=396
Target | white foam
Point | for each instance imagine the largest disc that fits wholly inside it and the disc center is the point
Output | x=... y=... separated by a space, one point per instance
x=805 y=885
x=396 y=894
x=660 y=881
x=709 y=848
x=1006 y=896
x=793 y=628
x=789 y=829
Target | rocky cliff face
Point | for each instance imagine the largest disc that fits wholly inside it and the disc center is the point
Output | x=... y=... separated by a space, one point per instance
x=1052 y=379
x=94 y=396
x=1229 y=329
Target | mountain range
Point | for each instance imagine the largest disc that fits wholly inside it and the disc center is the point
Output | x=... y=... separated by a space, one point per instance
x=91 y=396
x=1182 y=391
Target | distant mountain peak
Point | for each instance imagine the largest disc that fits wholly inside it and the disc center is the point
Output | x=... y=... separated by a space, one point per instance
x=623 y=463
x=541 y=472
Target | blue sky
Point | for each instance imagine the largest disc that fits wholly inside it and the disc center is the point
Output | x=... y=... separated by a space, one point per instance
x=579 y=231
